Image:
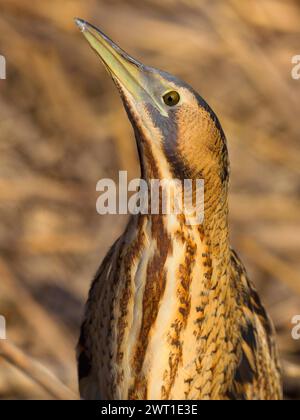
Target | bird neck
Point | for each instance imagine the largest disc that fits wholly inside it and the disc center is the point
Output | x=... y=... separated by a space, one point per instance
x=211 y=237
x=215 y=226
x=213 y=231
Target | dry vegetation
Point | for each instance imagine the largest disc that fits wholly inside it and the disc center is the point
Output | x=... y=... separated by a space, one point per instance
x=62 y=127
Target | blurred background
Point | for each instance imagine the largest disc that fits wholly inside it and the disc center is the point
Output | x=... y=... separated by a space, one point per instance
x=63 y=127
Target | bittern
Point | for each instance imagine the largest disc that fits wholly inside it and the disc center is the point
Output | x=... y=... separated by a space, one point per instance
x=171 y=313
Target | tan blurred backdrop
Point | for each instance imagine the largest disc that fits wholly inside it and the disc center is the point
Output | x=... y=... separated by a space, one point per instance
x=63 y=127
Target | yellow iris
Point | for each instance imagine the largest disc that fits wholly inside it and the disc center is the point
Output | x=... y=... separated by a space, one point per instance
x=171 y=98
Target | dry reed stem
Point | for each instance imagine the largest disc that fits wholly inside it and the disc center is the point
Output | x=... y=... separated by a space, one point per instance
x=269 y=262
x=36 y=371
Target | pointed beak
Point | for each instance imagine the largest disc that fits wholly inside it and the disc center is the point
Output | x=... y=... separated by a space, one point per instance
x=127 y=72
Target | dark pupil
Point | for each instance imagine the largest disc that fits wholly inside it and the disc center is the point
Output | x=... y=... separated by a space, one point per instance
x=171 y=98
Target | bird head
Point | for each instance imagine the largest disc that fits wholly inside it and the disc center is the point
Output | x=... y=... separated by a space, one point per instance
x=178 y=135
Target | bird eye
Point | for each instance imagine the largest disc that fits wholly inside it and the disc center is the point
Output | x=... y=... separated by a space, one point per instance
x=171 y=98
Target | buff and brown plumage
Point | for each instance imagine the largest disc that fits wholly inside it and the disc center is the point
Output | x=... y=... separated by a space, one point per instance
x=171 y=313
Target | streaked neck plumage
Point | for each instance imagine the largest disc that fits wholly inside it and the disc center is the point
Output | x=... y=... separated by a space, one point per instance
x=177 y=271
